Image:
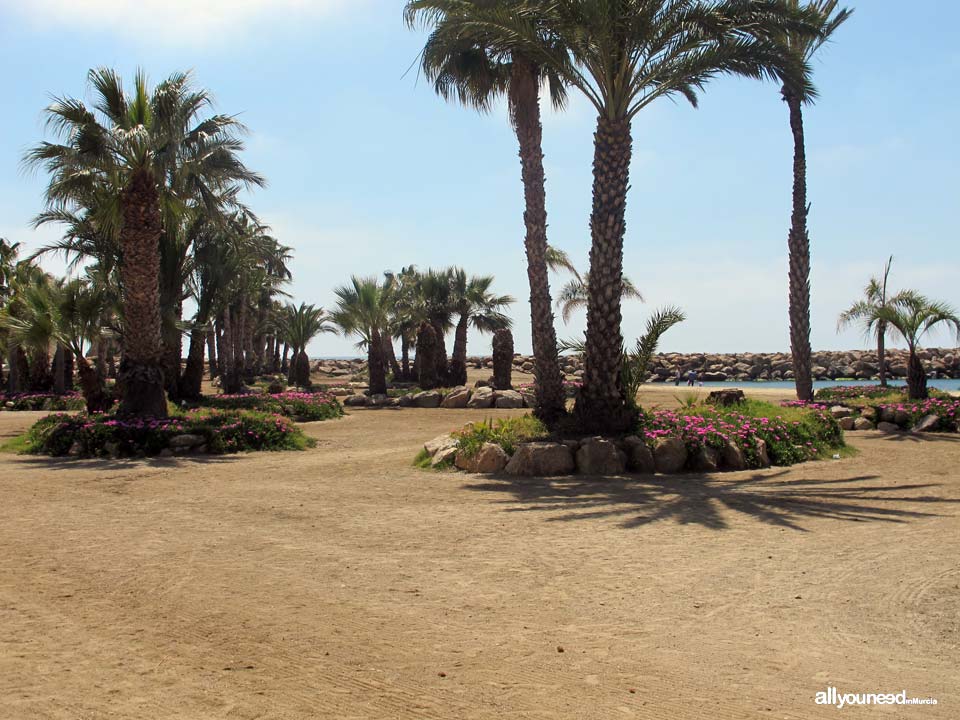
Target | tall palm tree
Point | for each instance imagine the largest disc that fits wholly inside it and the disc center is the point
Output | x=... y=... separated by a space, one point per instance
x=153 y=154
x=912 y=316
x=477 y=306
x=575 y=294
x=462 y=65
x=866 y=313
x=623 y=55
x=797 y=91
x=363 y=309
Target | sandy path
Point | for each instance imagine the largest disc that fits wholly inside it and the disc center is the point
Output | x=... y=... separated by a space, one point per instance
x=340 y=583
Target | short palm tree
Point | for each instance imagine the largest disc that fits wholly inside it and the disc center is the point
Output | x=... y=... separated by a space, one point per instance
x=301 y=324
x=31 y=323
x=623 y=55
x=866 y=313
x=437 y=305
x=363 y=309
x=462 y=65
x=476 y=306
x=796 y=91
x=912 y=316
x=81 y=307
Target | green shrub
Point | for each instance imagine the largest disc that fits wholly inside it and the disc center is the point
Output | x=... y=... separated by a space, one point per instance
x=223 y=431
x=505 y=432
x=42 y=401
x=302 y=406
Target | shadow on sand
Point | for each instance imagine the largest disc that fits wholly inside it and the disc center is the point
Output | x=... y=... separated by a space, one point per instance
x=107 y=464
x=704 y=500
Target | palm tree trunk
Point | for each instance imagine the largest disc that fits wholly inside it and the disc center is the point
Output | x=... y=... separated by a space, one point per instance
x=102 y=358
x=292 y=370
x=172 y=340
x=192 y=380
x=92 y=386
x=13 y=376
x=59 y=367
x=301 y=370
x=525 y=109
x=798 y=244
x=440 y=355
x=390 y=357
x=141 y=370
x=602 y=405
x=212 y=352
x=68 y=368
x=916 y=377
x=378 y=375
x=458 y=363
x=284 y=364
x=882 y=351
x=404 y=356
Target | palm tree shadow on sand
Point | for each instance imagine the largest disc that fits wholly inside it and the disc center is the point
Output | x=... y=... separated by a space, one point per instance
x=705 y=500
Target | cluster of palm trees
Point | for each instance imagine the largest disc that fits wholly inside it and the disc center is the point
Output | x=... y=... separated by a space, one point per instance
x=621 y=55
x=146 y=183
x=418 y=308
x=909 y=314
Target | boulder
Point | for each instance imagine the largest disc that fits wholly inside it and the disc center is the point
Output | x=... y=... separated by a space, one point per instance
x=888 y=427
x=870 y=413
x=861 y=423
x=726 y=398
x=508 y=399
x=669 y=454
x=481 y=398
x=901 y=418
x=405 y=401
x=456 y=398
x=597 y=456
x=762 y=454
x=380 y=400
x=490 y=459
x=529 y=397
x=357 y=401
x=185 y=442
x=928 y=423
x=639 y=456
x=839 y=412
x=427 y=399
x=541 y=459
x=846 y=423
x=705 y=459
x=732 y=457
x=444 y=455
x=432 y=447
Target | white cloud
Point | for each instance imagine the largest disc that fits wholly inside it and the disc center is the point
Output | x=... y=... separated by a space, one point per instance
x=176 y=22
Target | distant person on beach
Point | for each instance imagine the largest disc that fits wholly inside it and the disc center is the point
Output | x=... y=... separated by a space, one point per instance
x=691 y=378
x=678 y=378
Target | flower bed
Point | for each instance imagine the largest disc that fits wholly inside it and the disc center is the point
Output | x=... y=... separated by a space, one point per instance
x=840 y=393
x=42 y=401
x=933 y=414
x=700 y=438
x=203 y=430
x=303 y=406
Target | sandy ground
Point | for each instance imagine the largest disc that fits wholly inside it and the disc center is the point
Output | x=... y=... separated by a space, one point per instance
x=343 y=583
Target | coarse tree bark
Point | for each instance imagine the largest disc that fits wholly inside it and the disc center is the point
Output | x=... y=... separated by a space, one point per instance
x=212 y=365
x=141 y=369
x=58 y=371
x=390 y=357
x=13 y=376
x=92 y=387
x=457 y=374
x=191 y=382
x=916 y=377
x=602 y=405
x=284 y=363
x=376 y=363
x=502 y=359
x=882 y=352
x=405 y=372
x=525 y=111
x=798 y=245
x=427 y=356
x=301 y=366
x=440 y=355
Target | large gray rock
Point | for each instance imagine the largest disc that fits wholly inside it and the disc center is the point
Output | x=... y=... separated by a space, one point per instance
x=846 y=423
x=861 y=423
x=490 y=459
x=357 y=401
x=427 y=399
x=185 y=442
x=839 y=412
x=888 y=427
x=928 y=423
x=456 y=398
x=405 y=401
x=763 y=454
x=444 y=455
x=669 y=454
x=508 y=399
x=705 y=459
x=481 y=398
x=540 y=459
x=597 y=456
x=639 y=455
x=732 y=457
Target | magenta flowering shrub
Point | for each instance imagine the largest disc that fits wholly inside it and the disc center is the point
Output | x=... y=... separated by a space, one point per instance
x=304 y=406
x=42 y=401
x=223 y=431
x=840 y=393
x=947 y=410
x=791 y=435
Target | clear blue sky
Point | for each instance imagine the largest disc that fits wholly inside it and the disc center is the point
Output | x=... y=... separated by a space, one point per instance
x=370 y=171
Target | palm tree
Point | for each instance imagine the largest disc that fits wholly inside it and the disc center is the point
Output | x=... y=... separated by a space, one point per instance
x=866 y=313
x=796 y=91
x=363 y=309
x=436 y=296
x=575 y=294
x=299 y=325
x=912 y=315
x=406 y=314
x=476 y=306
x=623 y=55
x=145 y=156
x=463 y=66
x=81 y=307
x=30 y=321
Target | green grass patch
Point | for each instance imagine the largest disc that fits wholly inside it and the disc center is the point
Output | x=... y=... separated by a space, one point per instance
x=505 y=432
x=16 y=445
